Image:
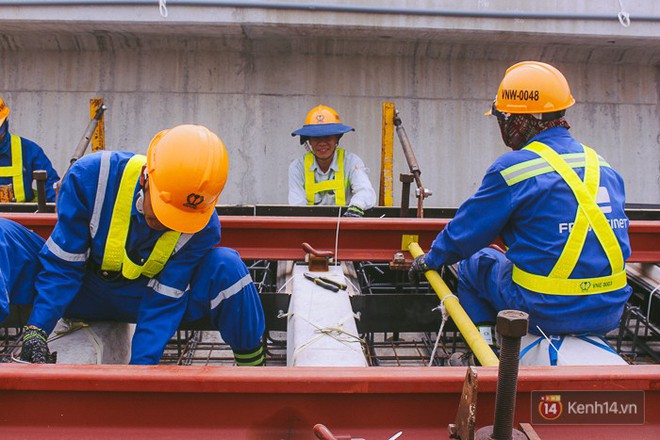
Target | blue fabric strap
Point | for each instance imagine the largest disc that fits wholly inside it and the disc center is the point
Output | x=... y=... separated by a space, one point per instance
x=529 y=347
x=604 y=346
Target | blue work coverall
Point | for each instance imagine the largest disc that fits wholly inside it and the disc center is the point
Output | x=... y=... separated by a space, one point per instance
x=34 y=158
x=533 y=217
x=196 y=280
x=19 y=265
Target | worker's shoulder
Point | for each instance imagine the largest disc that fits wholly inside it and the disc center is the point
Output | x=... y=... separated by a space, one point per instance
x=510 y=159
x=29 y=144
x=350 y=157
x=92 y=162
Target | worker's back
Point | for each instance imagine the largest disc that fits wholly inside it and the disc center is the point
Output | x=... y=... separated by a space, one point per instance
x=543 y=210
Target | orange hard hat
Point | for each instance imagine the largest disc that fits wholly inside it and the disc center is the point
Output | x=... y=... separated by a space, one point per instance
x=4 y=111
x=321 y=121
x=533 y=87
x=187 y=167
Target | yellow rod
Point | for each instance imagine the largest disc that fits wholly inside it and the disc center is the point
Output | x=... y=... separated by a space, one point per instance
x=385 y=197
x=98 y=137
x=472 y=337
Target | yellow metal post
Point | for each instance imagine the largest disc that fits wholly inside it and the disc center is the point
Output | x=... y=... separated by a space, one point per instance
x=386 y=183
x=472 y=337
x=98 y=137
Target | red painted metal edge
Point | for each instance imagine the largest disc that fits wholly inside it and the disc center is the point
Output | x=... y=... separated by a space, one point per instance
x=60 y=401
x=372 y=239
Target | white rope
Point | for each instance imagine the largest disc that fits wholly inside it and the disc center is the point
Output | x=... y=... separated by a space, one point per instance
x=337 y=236
x=445 y=316
x=329 y=331
x=162 y=8
x=648 y=309
x=550 y=342
x=287 y=282
x=624 y=17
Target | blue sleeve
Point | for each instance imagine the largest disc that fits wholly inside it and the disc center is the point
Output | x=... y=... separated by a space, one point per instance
x=162 y=309
x=65 y=254
x=476 y=223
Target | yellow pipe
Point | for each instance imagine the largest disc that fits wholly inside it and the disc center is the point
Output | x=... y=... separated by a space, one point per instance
x=472 y=337
x=386 y=156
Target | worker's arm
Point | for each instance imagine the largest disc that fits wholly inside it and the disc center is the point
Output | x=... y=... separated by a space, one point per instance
x=476 y=223
x=363 y=194
x=297 y=194
x=65 y=253
x=163 y=307
x=40 y=161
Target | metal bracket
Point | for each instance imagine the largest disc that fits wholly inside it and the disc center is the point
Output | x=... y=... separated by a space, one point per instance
x=463 y=427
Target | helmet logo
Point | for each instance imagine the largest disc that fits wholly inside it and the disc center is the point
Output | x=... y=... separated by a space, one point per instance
x=320 y=117
x=194 y=200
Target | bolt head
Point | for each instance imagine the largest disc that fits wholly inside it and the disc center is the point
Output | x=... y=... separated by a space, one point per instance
x=512 y=323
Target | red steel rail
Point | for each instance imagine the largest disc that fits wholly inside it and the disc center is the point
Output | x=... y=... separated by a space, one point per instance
x=110 y=401
x=373 y=239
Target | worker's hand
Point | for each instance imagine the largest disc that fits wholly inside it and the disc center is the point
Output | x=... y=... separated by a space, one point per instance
x=354 y=211
x=417 y=269
x=35 y=349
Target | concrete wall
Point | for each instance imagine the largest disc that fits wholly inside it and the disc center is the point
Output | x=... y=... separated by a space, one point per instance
x=251 y=74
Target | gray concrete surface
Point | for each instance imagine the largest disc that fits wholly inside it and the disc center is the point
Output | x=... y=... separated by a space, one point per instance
x=251 y=74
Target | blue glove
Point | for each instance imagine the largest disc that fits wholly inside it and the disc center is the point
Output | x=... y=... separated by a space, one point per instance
x=35 y=349
x=354 y=211
x=417 y=269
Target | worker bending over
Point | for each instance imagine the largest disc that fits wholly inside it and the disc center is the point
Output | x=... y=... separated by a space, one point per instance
x=134 y=242
x=19 y=157
x=328 y=175
x=558 y=207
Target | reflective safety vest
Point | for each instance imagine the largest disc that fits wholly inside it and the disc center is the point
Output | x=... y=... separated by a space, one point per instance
x=588 y=215
x=337 y=184
x=15 y=170
x=115 y=257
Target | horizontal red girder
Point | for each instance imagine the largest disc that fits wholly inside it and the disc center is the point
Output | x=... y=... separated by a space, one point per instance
x=106 y=401
x=373 y=239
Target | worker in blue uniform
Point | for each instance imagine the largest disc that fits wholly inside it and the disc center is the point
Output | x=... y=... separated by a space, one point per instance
x=19 y=265
x=557 y=206
x=134 y=242
x=19 y=157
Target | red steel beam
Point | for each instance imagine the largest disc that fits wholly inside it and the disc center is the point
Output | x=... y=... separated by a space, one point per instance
x=373 y=239
x=110 y=401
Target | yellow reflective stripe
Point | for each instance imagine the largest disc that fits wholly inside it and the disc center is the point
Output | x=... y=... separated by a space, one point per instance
x=114 y=255
x=337 y=184
x=157 y=259
x=258 y=361
x=586 y=203
x=535 y=167
x=578 y=235
x=15 y=170
x=569 y=287
x=243 y=356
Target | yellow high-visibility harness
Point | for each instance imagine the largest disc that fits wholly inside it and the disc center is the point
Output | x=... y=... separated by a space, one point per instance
x=588 y=214
x=337 y=184
x=114 y=256
x=15 y=170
